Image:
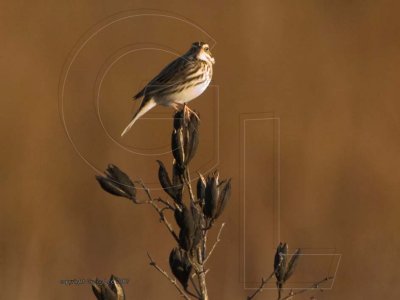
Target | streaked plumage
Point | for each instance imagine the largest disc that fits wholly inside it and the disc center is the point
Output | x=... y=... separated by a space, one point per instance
x=181 y=81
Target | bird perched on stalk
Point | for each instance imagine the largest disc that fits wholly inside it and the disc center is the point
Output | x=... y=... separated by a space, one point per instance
x=183 y=80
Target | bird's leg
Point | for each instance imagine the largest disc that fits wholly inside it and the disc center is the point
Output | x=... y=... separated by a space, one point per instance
x=175 y=106
x=187 y=112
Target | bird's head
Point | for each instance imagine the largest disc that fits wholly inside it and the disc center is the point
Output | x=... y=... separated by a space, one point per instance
x=201 y=51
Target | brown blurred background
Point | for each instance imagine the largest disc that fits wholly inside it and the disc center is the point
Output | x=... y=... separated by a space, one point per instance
x=328 y=71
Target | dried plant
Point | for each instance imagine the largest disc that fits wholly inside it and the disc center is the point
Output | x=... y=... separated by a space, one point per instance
x=283 y=271
x=194 y=212
x=111 y=290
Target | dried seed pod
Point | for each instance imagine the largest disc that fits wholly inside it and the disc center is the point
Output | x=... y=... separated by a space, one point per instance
x=193 y=124
x=188 y=221
x=166 y=183
x=195 y=215
x=280 y=263
x=102 y=291
x=180 y=266
x=292 y=264
x=192 y=148
x=224 y=196
x=117 y=183
x=186 y=239
x=116 y=287
x=122 y=179
x=178 y=214
x=111 y=290
x=185 y=138
x=114 y=172
x=201 y=188
x=179 y=119
x=177 y=181
x=211 y=196
x=192 y=138
x=177 y=173
x=177 y=146
x=112 y=188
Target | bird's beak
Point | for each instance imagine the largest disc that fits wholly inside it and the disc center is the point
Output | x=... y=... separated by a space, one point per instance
x=213 y=60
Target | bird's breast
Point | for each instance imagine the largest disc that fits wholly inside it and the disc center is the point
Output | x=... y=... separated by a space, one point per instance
x=192 y=92
x=190 y=88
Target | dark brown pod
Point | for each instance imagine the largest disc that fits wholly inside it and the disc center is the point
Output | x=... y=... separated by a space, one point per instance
x=280 y=263
x=111 y=187
x=224 y=197
x=292 y=264
x=180 y=266
x=166 y=183
x=192 y=138
x=178 y=214
x=177 y=181
x=177 y=146
x=122 y=179
x=211 y=196
x=186 y=239
x=117 y=183
x=201 y=188
x=188 y=220
x=111 y=290
x=179 y=119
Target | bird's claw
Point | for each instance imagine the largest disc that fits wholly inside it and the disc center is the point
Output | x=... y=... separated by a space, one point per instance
x=187 y=112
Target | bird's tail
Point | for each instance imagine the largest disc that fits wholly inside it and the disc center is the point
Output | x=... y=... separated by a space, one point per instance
x=144 y=108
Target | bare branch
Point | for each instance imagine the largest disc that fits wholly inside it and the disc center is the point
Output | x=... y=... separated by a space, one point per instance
x=166 y=203
x=165 y=274
x=216 y=242
x=186 y=179
x=261 y=287
x=205 y=272
x=201 y=275
x=313 y=287
x=146 y=189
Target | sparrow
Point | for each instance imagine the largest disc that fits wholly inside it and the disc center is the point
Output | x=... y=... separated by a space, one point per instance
x=181 y=81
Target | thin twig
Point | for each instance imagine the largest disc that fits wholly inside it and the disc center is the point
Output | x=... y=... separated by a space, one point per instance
x=201 y=275
x=186 y=179
x=166 y=203
x=205 y=272
x=261 y=287
x=313 y=287
x=216 y=242
x=160 y=212
x=173 y=281
x=146 y=189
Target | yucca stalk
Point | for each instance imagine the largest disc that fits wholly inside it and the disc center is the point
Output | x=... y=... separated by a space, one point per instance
x=194 y=212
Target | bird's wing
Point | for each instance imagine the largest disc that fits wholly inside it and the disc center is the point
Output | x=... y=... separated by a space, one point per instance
x=169 y=76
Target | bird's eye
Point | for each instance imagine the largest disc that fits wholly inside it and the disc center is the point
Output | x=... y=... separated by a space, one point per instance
x=206 y=48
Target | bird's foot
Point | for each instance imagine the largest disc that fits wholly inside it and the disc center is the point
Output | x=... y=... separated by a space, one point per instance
x=175 y=106
x=187 y=112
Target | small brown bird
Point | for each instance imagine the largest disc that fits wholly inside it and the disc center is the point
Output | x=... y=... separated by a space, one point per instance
x=183 y=80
